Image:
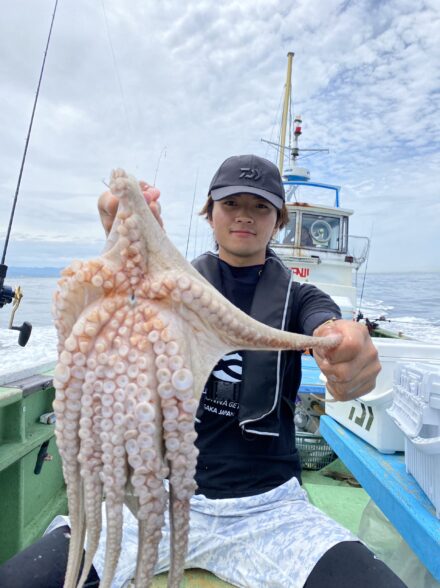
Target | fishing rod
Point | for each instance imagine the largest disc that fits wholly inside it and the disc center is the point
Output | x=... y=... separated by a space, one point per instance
x=7 y=294
x=191 y=215
x=383 y=319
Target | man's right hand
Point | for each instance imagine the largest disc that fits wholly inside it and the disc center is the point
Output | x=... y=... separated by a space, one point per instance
x=108 y=205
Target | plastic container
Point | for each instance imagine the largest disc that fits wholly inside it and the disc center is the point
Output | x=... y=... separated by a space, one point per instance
x=314 y=451
x=367 y=416
x=416 y=411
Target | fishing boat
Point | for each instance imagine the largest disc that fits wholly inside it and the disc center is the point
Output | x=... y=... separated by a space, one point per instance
x=317 y=246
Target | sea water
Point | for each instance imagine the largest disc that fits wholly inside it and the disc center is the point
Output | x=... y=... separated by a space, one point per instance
x=408 y=303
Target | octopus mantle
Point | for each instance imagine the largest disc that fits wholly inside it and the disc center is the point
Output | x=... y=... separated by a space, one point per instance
x=139 y=333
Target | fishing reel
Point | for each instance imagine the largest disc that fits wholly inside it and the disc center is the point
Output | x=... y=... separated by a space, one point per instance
x=8 y=296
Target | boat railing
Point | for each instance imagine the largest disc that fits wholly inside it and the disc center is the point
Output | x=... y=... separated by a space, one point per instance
x=293 y=188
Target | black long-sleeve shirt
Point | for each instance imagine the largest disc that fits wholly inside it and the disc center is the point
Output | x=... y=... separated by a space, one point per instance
x=232 y=462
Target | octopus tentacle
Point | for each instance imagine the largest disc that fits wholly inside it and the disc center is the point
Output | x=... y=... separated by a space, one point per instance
x=150 y=527
x=148 y=473
x=75 y=502
x=238 y=329
x=178 y=410
x=90 y=458
x=182 y=487
x=74 y=426
x=150 y=487
x=179 y=527
x=81 y=284
x=114 y=456
x=67 y=408
x=114 y=472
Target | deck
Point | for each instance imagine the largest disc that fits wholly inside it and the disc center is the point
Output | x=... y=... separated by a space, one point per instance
x=396 y=493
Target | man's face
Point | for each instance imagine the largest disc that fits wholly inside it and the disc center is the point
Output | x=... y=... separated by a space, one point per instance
x=243 y=225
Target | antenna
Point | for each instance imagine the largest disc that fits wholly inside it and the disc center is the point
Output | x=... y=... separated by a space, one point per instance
x=297 y=129
x=293 y=149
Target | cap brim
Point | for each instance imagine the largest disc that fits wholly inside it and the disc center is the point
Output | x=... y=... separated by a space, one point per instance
x=220 y=193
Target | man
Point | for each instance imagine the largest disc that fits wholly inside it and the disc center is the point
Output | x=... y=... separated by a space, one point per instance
x=251 y=523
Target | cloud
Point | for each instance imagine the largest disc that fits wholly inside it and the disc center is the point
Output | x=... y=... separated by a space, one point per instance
x=204 y=80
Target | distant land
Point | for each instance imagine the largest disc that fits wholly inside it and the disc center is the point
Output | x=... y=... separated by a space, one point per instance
x=38 y=272
x=54 y=272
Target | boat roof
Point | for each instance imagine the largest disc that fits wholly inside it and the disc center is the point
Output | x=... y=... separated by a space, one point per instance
x=320 y=208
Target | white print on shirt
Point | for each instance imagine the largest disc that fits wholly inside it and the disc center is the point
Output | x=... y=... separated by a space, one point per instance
x=228 y=369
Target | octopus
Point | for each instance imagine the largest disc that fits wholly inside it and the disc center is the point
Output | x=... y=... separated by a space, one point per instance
x=139 y=331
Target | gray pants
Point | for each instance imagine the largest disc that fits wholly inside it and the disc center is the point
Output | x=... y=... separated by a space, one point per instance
x=272 y=539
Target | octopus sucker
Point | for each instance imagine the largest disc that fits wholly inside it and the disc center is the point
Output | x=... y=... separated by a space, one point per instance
x=139 y=331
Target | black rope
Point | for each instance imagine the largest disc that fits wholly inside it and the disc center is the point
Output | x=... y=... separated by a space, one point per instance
x=27 y=140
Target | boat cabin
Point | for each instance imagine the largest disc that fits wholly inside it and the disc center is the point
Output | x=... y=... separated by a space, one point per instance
x=316 y=244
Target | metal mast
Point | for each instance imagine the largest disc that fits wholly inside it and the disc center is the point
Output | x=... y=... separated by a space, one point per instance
x=287 y=91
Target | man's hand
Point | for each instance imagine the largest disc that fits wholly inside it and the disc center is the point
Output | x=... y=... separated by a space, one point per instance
x=108 y=205
x=352 y=367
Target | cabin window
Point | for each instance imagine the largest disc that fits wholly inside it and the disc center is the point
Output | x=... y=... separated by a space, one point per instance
x=286 y=235
x=321 y=232
x=344 y=235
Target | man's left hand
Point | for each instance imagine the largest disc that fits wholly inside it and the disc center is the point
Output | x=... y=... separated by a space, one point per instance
x=352 y=367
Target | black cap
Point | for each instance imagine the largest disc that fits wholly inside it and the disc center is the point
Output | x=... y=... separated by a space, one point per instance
x=249 y=174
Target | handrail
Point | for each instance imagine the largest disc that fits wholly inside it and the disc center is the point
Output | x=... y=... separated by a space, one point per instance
x=316 y=185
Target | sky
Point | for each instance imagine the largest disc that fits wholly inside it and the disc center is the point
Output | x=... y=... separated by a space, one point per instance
x=168 y=89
